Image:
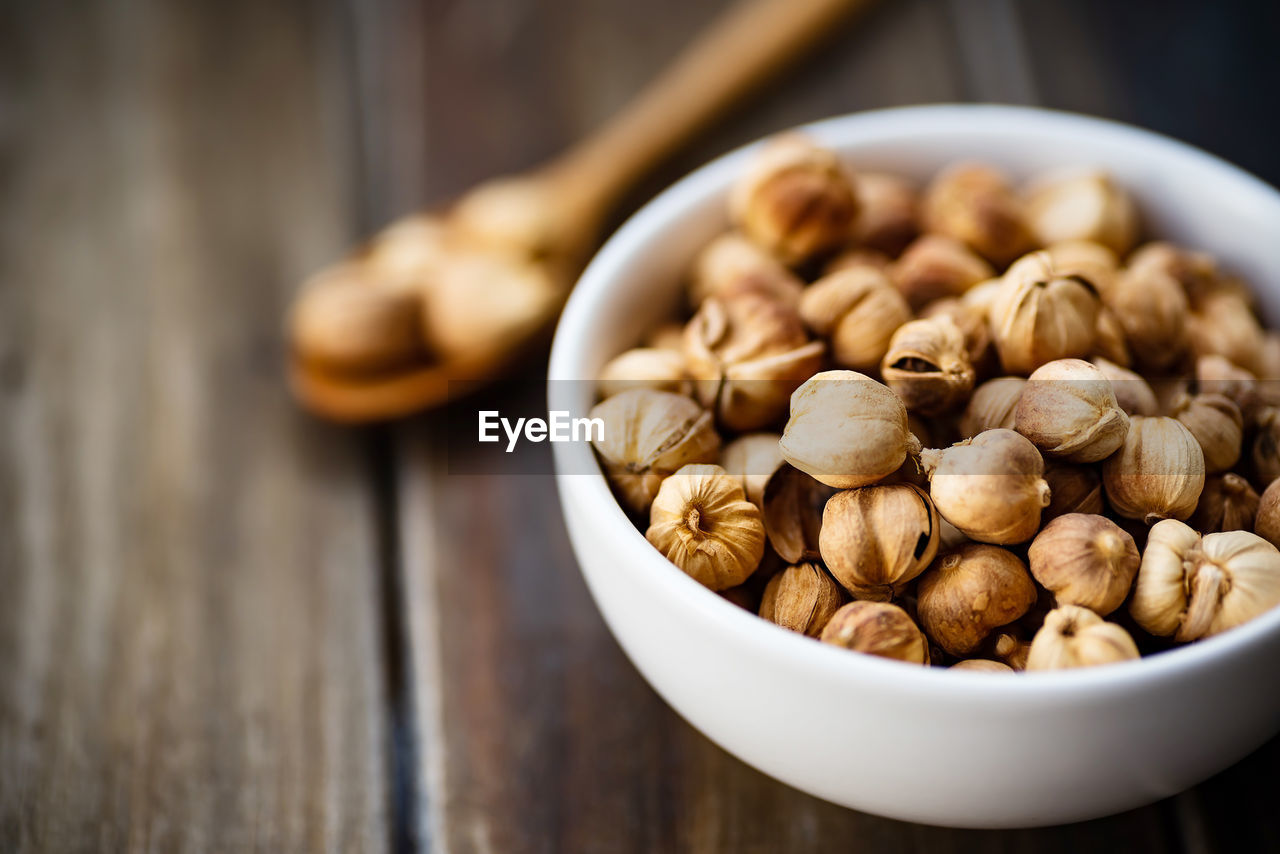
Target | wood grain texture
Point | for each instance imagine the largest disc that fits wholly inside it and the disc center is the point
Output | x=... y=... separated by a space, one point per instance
x=224 y=626
x=190 y=644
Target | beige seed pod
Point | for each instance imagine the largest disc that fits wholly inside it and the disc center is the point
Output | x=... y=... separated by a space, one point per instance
x=1042 y=313
x=795 y=200
x=1265 y=454
x=1268 y=366
x=1069 y=410
x=648 y=435
x=511 y=214
x=1109 y=342
x=934 y=267
x=1012 y=649
x=968 y=593
x=1076 y=637
x=928 y=366
x=950 y=537
x=1099 y=263
x=1085 y=560
x=877 y=628
x=1152 y=309
x=982 y=664
x=703 y=523
x=666 y=336
x=644 y=367
x=407 y=253
x=1083 y=206
x=793 y=505
x=972 y=321
x=344 y=321
x=858 y=256
x=1191 y=587
x=991 y=487
x=857 y=310
x=802 y=598
x=1227 y=503
x=847 y=430
x=486 y=296
x=975 y=204
x=731 y=264
x=1224 y=325
x=753 y=459
x=888 y=212
x=876 y=539
x=1073 y=489
x=746 y=355
x=1195 y=271
x=1267 y=522
x=1218 y=426
x=1218 y=375
x=980 y=297
x=992 y=405
x=1133 y=393
x=1158 y=472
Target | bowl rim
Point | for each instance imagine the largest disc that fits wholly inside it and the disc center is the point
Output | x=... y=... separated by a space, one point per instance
x=588 y=489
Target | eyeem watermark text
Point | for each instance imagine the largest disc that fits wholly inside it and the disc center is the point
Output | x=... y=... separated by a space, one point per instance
x=557 y=427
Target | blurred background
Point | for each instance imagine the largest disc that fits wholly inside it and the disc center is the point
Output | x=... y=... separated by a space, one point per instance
x=226 y=625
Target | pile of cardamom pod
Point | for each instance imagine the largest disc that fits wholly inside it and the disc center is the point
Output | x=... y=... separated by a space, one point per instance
x=970 y=424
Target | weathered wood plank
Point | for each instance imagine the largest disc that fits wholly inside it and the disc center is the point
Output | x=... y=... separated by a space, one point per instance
x=189 y=631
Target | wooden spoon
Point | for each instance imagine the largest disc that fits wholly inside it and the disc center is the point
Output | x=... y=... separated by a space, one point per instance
x=554 y=213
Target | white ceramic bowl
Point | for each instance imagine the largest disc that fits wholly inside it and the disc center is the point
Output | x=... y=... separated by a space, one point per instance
x=926 y=745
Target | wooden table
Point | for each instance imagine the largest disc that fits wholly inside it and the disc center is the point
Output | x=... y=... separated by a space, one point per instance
x=225 y=626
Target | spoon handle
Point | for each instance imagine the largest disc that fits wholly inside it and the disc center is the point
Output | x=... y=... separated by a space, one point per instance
x=740 y=51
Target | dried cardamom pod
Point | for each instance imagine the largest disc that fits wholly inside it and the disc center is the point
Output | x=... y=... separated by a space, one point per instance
x=992 y=406
x=991 y=487
x=1158 y=472
x=1218 y=426
x=935 y=266
x=1082 y=206
x=753 y=459
x=888 y=212
x=344 y=321
x=746 y=355
x=857 y=310
x=847 y=430
x=1227 y=503
x=731 y=264
x=644 y=367
x=802 y=598
x=703 y=523
x=876 y=539
x=1085 y=560
x=1267 y=521
x=974 y=203
x=796 y=200
x=1043 y=312
x=877 y=628
x=793 y=506
x=1072 y=489
x=648 y=435
x=928 y=366
x=1191 y=587
x=971 y=591
x=1069 y=410
x=1225 y=325
x=1076 y=637
x=1152 y=309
